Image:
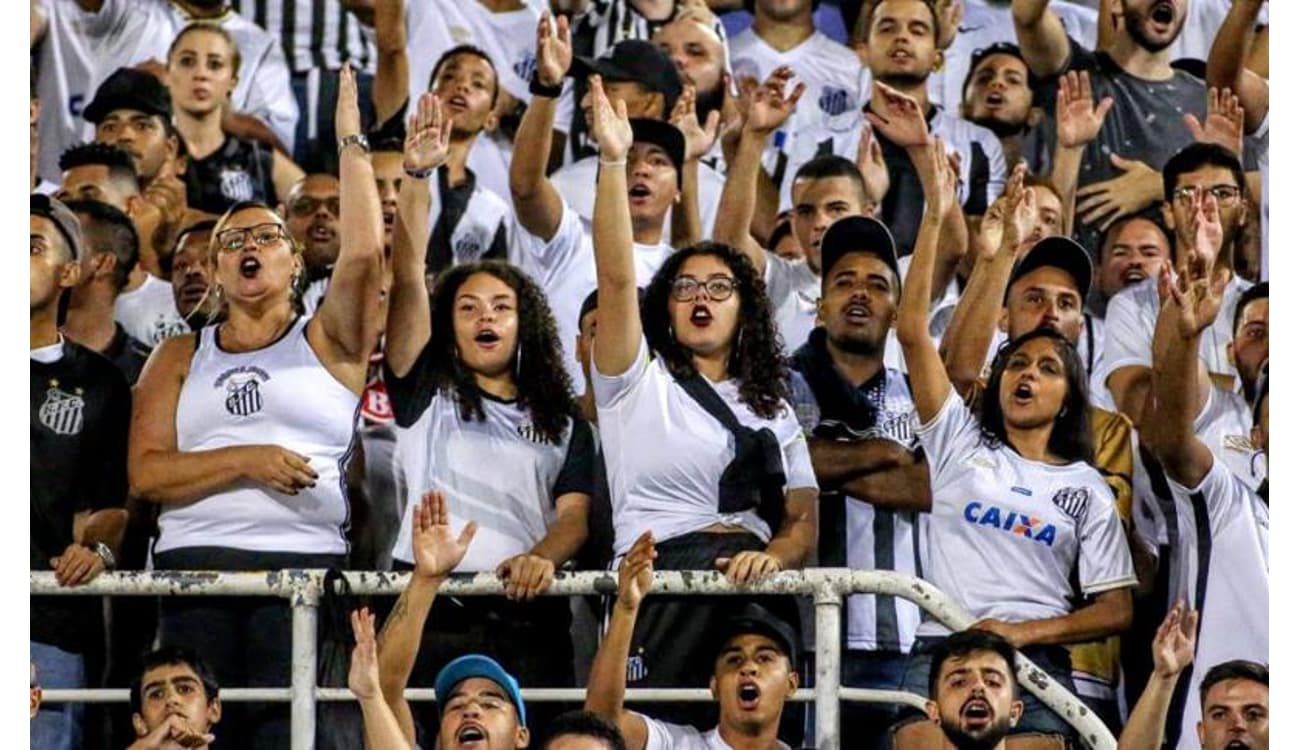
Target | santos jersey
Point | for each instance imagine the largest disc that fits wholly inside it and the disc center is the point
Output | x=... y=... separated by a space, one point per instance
x=148 y=312
x=1011 y=538
x=278 y=395
x=499 y=471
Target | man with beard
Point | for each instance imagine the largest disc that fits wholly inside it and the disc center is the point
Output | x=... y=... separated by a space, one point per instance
x=858 y=417
x=1133 y=250
x=973 y=691
x=311 y=215
x=753 y=674
x=174 y=701
x=1120 y=168
x=694 y=43
x=998 y=95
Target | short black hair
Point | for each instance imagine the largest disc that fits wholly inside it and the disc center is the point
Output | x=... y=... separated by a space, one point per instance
x=825 y=167
x=1238 y=669
x=870 y=9
x=966 y=643
x=387 y=143
x=106 y=229
x=166 y=656
x=1259 y=291
x=165 y=261
x=1200 y=155
x=582 y=724
x=467 y=49
x=119 y=163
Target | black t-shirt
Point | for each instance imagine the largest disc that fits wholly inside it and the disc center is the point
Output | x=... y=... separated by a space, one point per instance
x=127 y=353
x=81 y=411
x=238 y=171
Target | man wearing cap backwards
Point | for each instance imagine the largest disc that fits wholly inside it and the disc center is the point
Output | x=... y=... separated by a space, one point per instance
x=753 y=674
x=553 y=245
x=80 y=411
x=858 y=416
x=478 y=701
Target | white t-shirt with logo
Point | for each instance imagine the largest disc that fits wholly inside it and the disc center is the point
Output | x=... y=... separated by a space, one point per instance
x=661 y=735
x=1008 y=536
x=664 y=453
x=148 y=313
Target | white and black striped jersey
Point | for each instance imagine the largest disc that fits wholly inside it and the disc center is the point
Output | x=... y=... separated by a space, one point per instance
x=499 y=471
x=467 y=223
x=314 y=34
x=278 y=395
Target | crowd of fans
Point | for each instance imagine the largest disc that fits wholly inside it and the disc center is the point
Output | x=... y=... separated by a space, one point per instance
x=970 y=290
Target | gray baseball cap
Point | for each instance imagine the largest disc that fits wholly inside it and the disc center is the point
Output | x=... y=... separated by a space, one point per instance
x=64 y=220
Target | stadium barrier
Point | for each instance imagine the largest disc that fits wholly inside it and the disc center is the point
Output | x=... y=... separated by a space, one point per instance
x=826 y=586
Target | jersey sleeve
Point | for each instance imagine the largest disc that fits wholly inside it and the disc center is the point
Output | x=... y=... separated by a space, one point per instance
x=1128 y=335
x=411 y=394
x=1104 y=559
x=798 y=460
x=948 y=436
x=578 y=474
x=781 y=278
x=1222 y=494
x=660 y=735
x=611 y=389
x=544 y=258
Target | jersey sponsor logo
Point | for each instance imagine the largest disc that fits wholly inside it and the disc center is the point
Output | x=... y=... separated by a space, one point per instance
x=236 y=185
x=1073 y=501
x=242 y=387
x=62 y=413
x=834 y=100
x=375 y=406
x=1011 y=522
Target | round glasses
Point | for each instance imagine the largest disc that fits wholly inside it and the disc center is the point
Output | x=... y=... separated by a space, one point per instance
x=719 y=288
x=262 y=235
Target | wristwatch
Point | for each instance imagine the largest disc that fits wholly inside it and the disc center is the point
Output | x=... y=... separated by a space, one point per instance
x=357 y=138
x=105 y=554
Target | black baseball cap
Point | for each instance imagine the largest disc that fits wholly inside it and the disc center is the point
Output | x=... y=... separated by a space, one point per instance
x=1057 y=252
x=666 y=136
x=129 y=88
x=634 y=60
x=757 y=619
x=858 y=234
x=63 y=219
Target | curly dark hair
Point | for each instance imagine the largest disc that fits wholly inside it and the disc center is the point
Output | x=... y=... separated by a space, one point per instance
x=545 y=390
x=1072 y=434
x=756 y=360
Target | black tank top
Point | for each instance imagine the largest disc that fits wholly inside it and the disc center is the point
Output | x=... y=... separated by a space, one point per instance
x=240 y=170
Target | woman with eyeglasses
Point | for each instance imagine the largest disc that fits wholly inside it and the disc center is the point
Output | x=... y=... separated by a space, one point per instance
x=202 y=72
x=240 y=431
x=704 y=336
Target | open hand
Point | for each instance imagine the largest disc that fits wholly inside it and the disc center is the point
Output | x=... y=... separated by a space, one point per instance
x=871 y=163
x=434 y=548
x=1225 y=121
x=1077 y=121
x=428 y=136
x=902 y=122
x=554 y=50
x=609 y=123
x=699 y=137
x=1175 y=642
x=347 y=117
x=769 y=107
x=363 y=676
x=636 y=572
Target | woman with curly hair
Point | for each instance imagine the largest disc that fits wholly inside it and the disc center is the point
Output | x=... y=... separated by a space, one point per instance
x=485 y=414
x=740 y=497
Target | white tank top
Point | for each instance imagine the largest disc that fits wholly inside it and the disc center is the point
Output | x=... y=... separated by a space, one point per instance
x=279 y=395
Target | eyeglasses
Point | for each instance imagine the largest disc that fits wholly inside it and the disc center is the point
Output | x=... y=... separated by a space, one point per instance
x=262 y=235
x=1221 y=193
x=719 y=288
x=307 y=206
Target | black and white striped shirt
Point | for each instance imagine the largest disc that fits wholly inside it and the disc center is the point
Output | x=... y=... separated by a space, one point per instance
x=315 y=34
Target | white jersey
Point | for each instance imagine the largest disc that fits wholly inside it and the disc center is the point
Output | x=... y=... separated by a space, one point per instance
x=1261 y=138
x=1011 y=538
x=278 y=395
x=148 y=313
x=80 y=50
x=1225 y=562
x=1131 y=326
x=489 y=160
x=660 y=735
x=509 y=38
x=1204 y=19
x=511 y=495
x=871 y=538
x=983 y=25
x=664 y=453
x=565 y=267
x=466 y=223
x=793 y=290
x=576 y=184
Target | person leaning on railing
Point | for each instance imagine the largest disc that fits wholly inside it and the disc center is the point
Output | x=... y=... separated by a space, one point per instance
x=241 y=429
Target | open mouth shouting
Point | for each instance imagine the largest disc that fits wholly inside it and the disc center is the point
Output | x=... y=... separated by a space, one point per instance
x=486 y=338
x=856 y=312
x=1023 y=395
x=471 y=735
x=249 y=266
x=320 y=233
x=995 y=100
x=749 y=695
x=701 y=317
x=1135 y=275
x=639 y=193
x=1162 y=15
x=977 y=713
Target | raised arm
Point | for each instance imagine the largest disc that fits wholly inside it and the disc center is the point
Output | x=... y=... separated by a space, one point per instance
x=608 y=681
x=618 y=319
x=409 y=327
x=686 y=227
x=347 y=318
x=1077 y=124
x=1042 y=37
x=382 y=729
x=768 y=108
x=930 y=384
x=537 y=203
x=392 y=64
x=437 y=552
x=1172 y=652
x=1226 y=66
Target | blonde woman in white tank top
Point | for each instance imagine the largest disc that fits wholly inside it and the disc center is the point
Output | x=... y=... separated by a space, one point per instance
x=240 y=432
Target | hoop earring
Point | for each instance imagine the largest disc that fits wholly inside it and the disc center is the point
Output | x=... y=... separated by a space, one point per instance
x=519 y=362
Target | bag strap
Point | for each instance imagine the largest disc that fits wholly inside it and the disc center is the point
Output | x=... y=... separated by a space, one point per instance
x=704 y=394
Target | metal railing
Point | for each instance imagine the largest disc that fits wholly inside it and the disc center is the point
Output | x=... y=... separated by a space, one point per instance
x=826 y=586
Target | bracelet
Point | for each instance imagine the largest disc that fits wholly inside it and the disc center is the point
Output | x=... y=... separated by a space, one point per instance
x=537 y=88
x=620 y=163
x=418 y=174
x=356 y=138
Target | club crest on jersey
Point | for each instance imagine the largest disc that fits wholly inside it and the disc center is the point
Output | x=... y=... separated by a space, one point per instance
x=528 y=432
x=236 y=185
x=62 y=413
x=1073 y=501
x=525 y=66
x=242 y=387
x=1011 y=522
x=833 y=100
x=467 y=249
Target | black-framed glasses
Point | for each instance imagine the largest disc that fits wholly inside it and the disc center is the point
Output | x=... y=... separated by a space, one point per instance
x=305 y=205
x=263 y=235
x=719 y=288
x=1221 y=193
